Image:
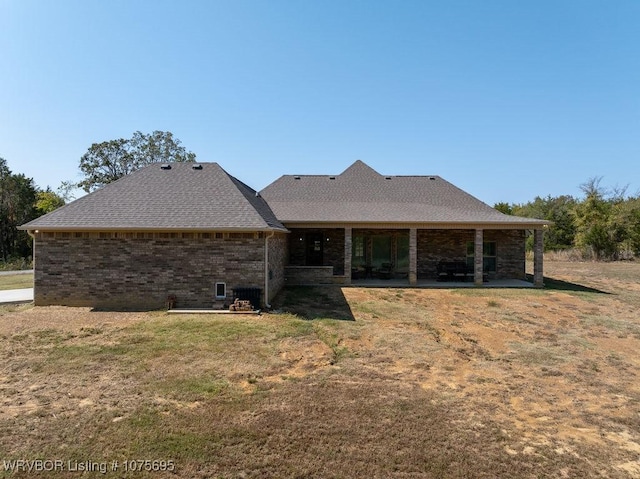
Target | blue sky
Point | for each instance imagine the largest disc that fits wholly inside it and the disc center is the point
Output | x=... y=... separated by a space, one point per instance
x=506 y=99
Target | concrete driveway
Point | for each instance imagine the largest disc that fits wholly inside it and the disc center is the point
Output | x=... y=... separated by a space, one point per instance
x=16 y=295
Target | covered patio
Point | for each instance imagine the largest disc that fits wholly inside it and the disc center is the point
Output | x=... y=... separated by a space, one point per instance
x=361 y=225
x=395 y=255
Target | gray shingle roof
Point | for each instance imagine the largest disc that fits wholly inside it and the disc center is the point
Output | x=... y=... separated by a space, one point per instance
x=180 y=198
x=361 y=195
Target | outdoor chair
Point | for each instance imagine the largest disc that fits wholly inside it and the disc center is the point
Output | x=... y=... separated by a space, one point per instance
x=358 y=272
x=385 y=271
x=452 y=271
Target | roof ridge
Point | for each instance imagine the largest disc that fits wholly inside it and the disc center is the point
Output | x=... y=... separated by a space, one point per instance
x=258 y=204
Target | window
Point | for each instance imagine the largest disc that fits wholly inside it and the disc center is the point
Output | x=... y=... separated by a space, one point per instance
x=358 y=248
x=221 y=290
x=402 y=254
x=381 y=250
x=488 y=256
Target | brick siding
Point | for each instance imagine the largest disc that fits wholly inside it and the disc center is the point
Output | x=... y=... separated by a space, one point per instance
x=139 y=270
x=307 y=275
x=278 y=252
x=451 y=245
x=333 y=248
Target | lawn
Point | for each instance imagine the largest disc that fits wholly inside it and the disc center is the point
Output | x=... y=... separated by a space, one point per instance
x=16 y=281
x=339 y=383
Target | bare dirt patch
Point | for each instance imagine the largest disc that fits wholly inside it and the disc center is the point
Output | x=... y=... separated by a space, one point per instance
x=342 y=382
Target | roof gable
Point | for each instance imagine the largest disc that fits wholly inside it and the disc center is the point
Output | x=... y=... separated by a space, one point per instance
x=180 y=197
x=360 y=171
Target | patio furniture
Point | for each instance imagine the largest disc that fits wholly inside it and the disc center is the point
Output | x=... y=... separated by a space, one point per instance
x=453 y=271
x=368 y=271
x=385 y=271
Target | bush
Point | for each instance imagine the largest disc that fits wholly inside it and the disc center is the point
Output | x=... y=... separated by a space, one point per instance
x=16 y=264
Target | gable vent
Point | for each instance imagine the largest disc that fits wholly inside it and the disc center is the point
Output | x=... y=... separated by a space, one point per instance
x=165 y=166
x=196 y=167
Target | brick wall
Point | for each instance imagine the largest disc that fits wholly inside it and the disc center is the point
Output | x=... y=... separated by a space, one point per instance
x=139 y=270
x=333 y=248
x=278 y=253
x=451 y=245
x=437 y=245
x=306 y=275
x=510 y=252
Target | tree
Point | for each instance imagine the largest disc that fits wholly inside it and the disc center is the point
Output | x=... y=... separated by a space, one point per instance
x=625 y=222
x=505 y=208
x=66 y=191
x=559 y=210
x=593 y=221
x=108 y=161
x=158 y=147
x=17 y=206
x=47 y=201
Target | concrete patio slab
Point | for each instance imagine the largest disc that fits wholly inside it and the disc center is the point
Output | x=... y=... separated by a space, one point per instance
x=16 y=295
x=427 y=284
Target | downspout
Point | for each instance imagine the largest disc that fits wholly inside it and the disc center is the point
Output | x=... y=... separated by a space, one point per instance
x=33 y=260
x=266 y=269
x=32 y=233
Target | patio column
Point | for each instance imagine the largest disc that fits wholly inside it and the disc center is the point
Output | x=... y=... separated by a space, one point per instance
x=413 y=256
x=347 y=255
x=538 y=253
x=478 y=257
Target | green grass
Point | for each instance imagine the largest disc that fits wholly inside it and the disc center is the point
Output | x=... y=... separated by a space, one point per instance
x=16 y=281
x=197 y=388
x=328 y=332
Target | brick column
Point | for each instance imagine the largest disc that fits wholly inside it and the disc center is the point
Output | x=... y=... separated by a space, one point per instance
x=478 y=257
x=413 y=256
x=538 y=250
x=347 y=255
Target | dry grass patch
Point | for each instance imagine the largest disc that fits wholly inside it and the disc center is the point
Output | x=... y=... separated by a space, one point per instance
x=341 y=382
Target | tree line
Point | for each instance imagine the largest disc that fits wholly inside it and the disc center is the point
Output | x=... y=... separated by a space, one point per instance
x=20 y=201
x=603 y=225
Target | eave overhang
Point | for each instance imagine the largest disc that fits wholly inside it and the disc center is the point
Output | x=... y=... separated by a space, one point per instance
x=537 y=225
x=96 y=229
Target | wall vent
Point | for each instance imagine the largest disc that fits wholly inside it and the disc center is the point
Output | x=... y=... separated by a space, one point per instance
x=221 y=290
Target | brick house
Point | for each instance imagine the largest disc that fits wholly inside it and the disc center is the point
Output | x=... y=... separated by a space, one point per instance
x=194 y=232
